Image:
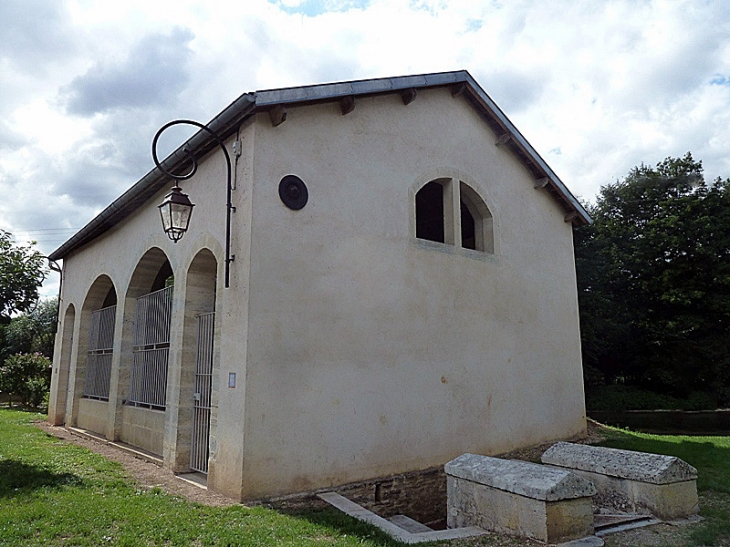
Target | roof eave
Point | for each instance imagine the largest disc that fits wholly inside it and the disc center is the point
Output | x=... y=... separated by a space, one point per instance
x=524 y=150
x=201 y=142
x=246 y=105
x=575 y=212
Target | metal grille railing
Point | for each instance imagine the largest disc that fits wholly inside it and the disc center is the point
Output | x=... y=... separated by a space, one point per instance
x=99 y=357
x=152 y=321
x=153 y=313
x=199 y=449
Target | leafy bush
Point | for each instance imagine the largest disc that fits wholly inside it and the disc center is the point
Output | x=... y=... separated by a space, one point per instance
x=31 y=332
x=698 y=400
x=723 y=397
x=27 y=375
x=592 y=376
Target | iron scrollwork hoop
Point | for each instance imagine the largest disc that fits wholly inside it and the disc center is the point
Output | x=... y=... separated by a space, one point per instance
x=177 y=178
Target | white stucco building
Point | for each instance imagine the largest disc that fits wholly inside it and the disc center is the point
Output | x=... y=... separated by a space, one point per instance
x=421 y=304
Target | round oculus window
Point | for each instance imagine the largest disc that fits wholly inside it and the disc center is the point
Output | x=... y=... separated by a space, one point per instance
x=293 y=192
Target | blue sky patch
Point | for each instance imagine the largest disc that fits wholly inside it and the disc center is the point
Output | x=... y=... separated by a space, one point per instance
x=312 y=8
x=472 y=25
x=719 y=79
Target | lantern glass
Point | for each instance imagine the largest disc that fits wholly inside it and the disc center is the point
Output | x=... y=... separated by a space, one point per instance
x=175 y=212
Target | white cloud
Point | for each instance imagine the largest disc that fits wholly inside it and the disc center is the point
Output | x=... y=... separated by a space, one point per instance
x=153 y=73
x=596 y=87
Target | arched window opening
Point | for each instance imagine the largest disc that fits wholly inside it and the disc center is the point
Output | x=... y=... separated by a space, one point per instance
x=468 y=236
x=452 y=212
x=164 y=277
x=151 y=347
x=197 y=367
x=110 y=299
x=430 y=212
x=101 y=304
x=476 y=224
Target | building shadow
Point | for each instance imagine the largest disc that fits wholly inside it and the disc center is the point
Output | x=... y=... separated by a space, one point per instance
x=341 y=524
x=17 y=478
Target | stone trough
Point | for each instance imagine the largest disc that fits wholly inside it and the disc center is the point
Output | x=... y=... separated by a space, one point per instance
x=518 y=498
x=578 y=491
x=637 y=482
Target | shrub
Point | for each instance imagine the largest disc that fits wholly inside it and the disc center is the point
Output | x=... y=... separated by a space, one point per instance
x=27 y=375
x=592 y=376
x=698 y=400
x=624 y=397
x=723 y=398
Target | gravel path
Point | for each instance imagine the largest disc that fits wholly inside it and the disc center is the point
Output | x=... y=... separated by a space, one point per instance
x=145 y=473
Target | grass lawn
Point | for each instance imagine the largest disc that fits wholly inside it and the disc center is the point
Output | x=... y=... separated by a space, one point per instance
x=711 y=457
x=53 y=493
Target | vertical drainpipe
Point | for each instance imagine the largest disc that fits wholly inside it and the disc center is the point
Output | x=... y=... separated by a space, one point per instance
x=52 y=264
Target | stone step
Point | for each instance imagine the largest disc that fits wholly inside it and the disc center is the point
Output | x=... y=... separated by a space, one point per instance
x=604 y=522
x=409 y=525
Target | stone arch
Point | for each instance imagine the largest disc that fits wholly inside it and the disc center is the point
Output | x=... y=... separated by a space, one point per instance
x=480 y=223
x=149 y=272
x=448 y=208
x=200 y=301
x=101 y=292
x=144 y=355
x=59 y=390
x=431 y=222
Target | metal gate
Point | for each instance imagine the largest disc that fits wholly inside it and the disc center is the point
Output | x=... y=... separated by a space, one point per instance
x=99 y=358
x=153 y=313
x=201 y=395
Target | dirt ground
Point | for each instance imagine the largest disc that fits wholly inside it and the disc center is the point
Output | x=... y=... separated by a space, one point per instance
x=149 y=475
x=145 y=473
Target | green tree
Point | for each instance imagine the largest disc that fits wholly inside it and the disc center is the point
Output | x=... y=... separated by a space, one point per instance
x=27 y=375
x=654 y=280
x=21 y=273
x=31 y=332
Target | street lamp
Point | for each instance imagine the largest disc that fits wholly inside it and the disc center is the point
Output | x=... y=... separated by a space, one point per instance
x=176 y=209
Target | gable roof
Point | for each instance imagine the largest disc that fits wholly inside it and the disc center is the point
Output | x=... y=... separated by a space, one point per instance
x=275 y=102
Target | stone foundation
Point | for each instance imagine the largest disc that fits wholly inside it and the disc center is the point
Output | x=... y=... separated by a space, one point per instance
x=92 y=415
x=420 y=495
x=143 y=428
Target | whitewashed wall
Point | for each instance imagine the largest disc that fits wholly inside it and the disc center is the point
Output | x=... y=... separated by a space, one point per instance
x=358 y=350
x=371 y=352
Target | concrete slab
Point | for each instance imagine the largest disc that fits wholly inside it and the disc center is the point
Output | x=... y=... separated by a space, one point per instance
x=409 y=524
x=195 y=478
x=605 y=521
x=624 y=464
x=354 y=510
x=590 y=541
x=518 y=477
x=628 y=526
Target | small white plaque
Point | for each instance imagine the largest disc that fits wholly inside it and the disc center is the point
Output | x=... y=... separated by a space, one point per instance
x=231 y=379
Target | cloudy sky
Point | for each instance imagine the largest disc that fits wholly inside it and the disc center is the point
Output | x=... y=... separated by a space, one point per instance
x=596 y=86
